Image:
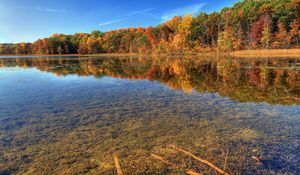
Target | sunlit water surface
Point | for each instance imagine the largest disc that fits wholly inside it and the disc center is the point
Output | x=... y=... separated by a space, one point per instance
x=73 y=115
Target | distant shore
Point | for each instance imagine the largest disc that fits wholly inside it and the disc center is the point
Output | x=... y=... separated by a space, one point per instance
x=274 y=53
x=266 y=53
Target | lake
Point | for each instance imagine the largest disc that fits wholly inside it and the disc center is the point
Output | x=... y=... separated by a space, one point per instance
x=74 y=115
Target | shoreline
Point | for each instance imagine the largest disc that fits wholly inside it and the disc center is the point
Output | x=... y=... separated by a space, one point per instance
x=266 y=53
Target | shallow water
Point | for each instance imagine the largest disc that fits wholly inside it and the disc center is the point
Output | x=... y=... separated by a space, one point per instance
x=73 y=115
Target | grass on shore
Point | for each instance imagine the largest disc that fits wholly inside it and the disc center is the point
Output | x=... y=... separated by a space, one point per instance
x=267 y=53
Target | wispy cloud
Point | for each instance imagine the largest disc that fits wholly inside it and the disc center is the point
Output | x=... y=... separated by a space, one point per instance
x=140 y=12
x=109 y=22
x=192 y=9
x=128 y=16
x=43 y=9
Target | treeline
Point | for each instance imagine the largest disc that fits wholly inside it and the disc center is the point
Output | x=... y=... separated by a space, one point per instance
x=250 y=24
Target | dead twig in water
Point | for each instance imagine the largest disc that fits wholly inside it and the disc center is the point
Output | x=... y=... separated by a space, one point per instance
x=118 y=166
x=190 y=172
x=226 y=159
x=200 y=160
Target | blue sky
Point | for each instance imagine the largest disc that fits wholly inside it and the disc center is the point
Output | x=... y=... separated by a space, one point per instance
x=28 y=20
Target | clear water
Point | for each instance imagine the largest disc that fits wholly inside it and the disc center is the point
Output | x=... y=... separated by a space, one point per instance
x=72 y=115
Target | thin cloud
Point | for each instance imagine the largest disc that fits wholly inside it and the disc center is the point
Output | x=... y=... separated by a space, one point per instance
x=140 y=12
x=109 y=22
x=43 y=9
x=192 y=9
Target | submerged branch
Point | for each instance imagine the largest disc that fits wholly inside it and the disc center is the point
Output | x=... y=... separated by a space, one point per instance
x=200 y=160
x=157 y=157
x=118 y=166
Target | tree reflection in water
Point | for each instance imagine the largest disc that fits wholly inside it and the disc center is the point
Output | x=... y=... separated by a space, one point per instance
x=274 y=81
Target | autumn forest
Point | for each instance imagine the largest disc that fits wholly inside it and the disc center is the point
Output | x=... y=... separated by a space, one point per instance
x=249 y=24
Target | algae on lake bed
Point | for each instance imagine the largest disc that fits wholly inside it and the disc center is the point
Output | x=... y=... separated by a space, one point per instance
x=76 y=124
